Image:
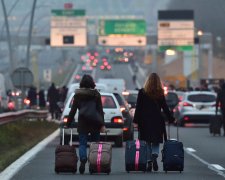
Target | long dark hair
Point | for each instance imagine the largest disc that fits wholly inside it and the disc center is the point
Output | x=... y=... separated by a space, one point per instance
x=153 y=86
x=87 y=82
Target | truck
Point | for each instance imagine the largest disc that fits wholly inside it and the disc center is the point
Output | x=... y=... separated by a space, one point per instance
x=113 y=84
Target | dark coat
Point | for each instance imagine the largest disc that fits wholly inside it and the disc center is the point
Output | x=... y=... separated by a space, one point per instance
x=42 y=101
x=81 y=95
x=148 y=116
x=32 y=96
x=221 y=100
x=53 y=98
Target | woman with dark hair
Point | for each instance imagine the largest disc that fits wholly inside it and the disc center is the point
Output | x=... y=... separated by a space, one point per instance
x=148 y=118
x=86 y=93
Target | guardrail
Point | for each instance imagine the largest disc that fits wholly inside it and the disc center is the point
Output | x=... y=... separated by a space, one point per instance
x=23 y=114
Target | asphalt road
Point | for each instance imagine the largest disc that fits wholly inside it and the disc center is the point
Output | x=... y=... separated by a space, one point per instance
x=198 y=167
x=204 y=154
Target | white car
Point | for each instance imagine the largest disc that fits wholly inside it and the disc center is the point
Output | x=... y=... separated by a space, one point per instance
x=196 y=107
x=114 y=121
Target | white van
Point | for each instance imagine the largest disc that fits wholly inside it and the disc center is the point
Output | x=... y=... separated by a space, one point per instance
x=114 y=85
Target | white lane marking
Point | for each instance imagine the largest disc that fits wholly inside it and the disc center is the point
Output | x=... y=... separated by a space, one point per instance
x=191 y=149
x=132 y=73
x=206 y=163
x=217 y=166
x=140 y=70
x=12 y=169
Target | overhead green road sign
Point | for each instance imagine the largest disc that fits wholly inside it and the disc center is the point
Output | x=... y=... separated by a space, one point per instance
x=68 y=12
x=122 y=27
x=177 y=48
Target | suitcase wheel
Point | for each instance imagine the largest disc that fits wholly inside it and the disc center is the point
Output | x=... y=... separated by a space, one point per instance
x=90 y=171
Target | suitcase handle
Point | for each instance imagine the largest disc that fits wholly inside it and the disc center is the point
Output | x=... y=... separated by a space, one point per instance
x=177 y=131
x=71 y=136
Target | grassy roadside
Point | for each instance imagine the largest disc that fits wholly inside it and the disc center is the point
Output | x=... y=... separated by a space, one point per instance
x=18 y=137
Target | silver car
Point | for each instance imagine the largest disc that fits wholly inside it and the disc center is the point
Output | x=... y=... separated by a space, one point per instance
x=195 y=107
x=114 y=121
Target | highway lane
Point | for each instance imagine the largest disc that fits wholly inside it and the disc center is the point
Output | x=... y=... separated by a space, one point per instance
x=118 y=71
x=204 y=155
x=42 y=165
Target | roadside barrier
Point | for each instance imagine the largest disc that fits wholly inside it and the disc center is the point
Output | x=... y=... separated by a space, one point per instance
x=23 y=114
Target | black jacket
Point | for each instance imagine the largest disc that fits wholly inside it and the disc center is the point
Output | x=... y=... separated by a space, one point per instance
x=81 y=95
x=221 y=100
x=151 y=124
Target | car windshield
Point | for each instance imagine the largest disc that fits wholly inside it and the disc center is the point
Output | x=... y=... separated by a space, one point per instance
x=107 y=102
x=202 y=98
x=171 y=97
x=132 y=98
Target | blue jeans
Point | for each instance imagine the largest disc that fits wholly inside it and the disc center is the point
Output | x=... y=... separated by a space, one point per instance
x=83 y=139
x=153 y=148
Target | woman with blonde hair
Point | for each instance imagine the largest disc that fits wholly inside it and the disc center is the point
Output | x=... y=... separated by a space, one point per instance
x=148 y=118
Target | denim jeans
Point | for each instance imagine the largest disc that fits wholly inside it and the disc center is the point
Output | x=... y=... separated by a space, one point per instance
x=83 y=139
x=153 y=148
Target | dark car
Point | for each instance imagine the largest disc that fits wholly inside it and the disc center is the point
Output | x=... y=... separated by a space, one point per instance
x=171 y=100
x=131 y=97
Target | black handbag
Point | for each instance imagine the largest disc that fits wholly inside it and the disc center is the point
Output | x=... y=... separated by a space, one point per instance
x=88 y=112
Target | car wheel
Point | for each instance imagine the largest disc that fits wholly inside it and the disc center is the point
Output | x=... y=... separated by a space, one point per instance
x=119 y=141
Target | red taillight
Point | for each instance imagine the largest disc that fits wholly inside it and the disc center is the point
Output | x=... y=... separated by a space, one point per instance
x=187 y=104
x=77 y=77
x=165 y=90
x=125 y=129
x=118 y=120
x=180 y=98
x=186 y=118
x=219 y=105
x=65 y=120
x=11 y=105
x=26 y=101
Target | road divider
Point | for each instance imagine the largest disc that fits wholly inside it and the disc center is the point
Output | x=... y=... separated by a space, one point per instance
x=23 y=114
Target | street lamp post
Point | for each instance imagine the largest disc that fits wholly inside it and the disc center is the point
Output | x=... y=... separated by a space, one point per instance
x=210 y=58
x=8 y=37
x=30 y=34
x=209 y=46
